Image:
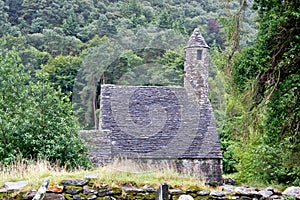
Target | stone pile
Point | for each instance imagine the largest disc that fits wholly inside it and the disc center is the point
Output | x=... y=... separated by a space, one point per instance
x=90 y=189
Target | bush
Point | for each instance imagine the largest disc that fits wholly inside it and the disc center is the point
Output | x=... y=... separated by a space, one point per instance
x=36 y=120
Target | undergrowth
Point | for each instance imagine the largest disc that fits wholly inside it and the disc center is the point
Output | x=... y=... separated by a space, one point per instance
x=120 y=173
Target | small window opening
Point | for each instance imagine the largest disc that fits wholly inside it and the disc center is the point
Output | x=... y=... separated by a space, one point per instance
x=199 y=54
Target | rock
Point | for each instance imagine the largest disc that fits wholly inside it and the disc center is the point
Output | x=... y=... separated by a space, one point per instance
x=73 y=189
x=216 y=193
x=54 y=196
x=88 y=190
x=92 y=197
x=252 y=192
x=245 y=198
x=132 y=190
x=213 y=183
x=239 y=190
x=193 y=189
x=29 y=195
x=203 y=193
x=109 y=192
x=149 y=189
x=270 y=188
x=109 y=198
x=185 y=197
x=3 y=190
x=246 y=191
x=115 y=191
x=275 y=197
x=227 y=189
x=104 y=192
x=277 y=192
x=55 y=188
x=91 y=176
x=78 y=197
x=15 y=185
x=176 y=191
x=42 y=190
x=265 y=193
x=228 y=181
x=292 y=191
x=74 y=182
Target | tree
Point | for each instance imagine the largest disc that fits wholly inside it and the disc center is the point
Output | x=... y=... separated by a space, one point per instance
x=69 y=25
x=55 y=42
x=265 y=84
x=62 y=71
x=37 y=25
x=165 y=20
x=276 y=91
x=36 y=120
x=130 y=8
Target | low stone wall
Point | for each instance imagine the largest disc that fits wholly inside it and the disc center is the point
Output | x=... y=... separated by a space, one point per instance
x=101 y=153
x=91 y=190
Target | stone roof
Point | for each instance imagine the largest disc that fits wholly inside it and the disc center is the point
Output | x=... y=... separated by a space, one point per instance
x=183 y=130
x=196 y=40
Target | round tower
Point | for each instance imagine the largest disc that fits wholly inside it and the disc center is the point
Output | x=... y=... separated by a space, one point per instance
x=196 y=67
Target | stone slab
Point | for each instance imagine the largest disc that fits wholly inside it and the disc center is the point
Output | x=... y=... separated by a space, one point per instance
x=15 y=185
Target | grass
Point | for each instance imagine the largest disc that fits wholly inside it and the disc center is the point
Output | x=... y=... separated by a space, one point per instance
x=255 y=184
x=120 y=173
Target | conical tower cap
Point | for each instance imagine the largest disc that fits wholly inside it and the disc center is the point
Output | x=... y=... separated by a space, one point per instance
x=196 y=40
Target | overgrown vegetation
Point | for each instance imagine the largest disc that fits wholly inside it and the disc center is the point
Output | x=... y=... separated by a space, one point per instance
x=254 y=79
x=119 y=173
x=262 y=120
x=36 y=120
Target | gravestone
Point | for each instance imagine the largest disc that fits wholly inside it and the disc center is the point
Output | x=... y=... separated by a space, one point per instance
x=162 y=192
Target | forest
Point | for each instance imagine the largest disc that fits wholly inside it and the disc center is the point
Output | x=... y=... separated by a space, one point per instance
x=55 y=55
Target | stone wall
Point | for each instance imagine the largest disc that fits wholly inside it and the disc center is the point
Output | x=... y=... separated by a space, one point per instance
x=89 y=188
x=99 y=145
x=100 y=151
x=210 y=169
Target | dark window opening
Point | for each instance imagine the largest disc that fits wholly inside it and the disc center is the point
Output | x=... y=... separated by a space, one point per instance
x=199 y=54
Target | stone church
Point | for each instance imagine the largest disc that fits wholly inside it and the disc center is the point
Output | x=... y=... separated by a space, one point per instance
x=163 y=122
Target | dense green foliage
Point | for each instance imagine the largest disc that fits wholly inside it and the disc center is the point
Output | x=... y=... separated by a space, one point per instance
x=56 y=36
x=264 y=128
x=36 y=120
x=254 y=79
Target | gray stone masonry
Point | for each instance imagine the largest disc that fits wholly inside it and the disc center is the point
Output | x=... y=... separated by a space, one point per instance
x=99 y=144
x=177 y=129
x=159 y=122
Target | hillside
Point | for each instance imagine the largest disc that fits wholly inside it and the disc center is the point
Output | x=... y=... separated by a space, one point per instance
x=48 y=45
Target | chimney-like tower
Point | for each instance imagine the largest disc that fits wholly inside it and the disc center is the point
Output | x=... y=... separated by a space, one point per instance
x=196 y=67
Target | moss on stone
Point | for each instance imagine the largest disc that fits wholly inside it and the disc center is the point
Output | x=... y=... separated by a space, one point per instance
x=73 y=189
x=85 y=196
x=194 y=188
x=68 y=196
x=150 y=196
x=101 y=198
x=116 y=190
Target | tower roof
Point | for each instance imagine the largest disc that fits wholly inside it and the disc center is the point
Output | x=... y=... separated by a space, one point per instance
x=196 y=40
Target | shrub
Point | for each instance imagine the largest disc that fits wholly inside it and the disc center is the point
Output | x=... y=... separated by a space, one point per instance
x=36 y=120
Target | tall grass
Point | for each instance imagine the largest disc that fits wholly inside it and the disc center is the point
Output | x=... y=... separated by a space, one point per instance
x=120 y=172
